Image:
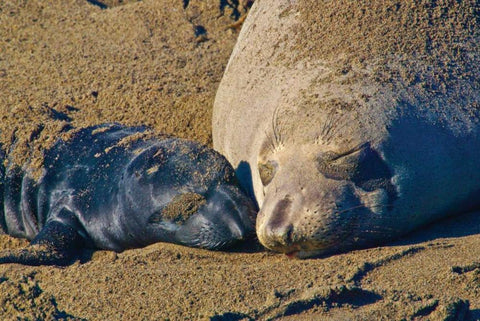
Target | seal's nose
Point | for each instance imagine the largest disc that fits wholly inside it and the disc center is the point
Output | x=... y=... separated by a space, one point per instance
x=279 y=236
x=277 y=233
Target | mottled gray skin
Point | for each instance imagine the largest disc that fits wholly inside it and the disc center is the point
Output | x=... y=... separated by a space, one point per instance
x=338 y=158
x=98 y=192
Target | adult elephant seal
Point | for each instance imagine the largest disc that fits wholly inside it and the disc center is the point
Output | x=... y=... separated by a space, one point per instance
x=353 y=122
x=112 y=187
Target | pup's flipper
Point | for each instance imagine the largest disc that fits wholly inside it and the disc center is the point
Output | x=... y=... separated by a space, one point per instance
x=56 y=244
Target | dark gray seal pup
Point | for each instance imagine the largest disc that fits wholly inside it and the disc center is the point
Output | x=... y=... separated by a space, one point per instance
x=114 y=188
x=353 y=123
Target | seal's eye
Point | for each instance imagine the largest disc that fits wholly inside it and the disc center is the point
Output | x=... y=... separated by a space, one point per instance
x=363 y=166
x=267 y=171
x=339 y=166
x=359 y=165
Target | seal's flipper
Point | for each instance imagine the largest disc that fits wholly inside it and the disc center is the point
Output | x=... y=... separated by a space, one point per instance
x=56 y=244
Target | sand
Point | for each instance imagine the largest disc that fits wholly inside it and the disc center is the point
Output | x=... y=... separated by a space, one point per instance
x=158 y=63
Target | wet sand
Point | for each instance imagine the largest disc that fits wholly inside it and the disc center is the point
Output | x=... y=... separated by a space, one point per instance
x=159 y=63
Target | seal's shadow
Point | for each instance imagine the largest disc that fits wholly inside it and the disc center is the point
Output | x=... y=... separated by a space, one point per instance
x=244 y=175
x=251 y=245
x=450 y=227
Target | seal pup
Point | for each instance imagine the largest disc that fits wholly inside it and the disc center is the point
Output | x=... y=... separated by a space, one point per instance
x=353 y=123
x=113 y=187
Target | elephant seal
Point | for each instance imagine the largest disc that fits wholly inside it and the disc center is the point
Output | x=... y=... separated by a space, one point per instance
x=353 y=123
x=113 y=187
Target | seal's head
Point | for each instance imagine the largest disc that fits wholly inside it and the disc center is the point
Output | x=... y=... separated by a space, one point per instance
x=364 y=141
x=191 y=194
x=319 y=200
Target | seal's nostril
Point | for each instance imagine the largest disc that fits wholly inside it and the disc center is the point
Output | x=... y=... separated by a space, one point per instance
x=280 y=236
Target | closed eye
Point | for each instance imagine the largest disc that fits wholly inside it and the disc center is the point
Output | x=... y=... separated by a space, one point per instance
x=362 y=165
x=342 y=166
x=332 y=156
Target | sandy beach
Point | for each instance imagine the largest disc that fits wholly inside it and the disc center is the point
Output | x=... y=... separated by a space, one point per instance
x=159 y=63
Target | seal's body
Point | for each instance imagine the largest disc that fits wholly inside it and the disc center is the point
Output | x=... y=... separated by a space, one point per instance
x=352 y=123
x=113 y=187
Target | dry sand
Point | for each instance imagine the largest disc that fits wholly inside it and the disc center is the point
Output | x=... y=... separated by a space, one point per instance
x=159 y=63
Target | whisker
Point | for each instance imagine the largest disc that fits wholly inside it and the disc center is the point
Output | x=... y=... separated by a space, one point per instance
x=277 y=135
x=363 y=206
x=270 y=143
x=326 y=128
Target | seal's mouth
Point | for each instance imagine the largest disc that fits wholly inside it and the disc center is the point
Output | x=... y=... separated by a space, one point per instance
x=299 y=251
x=292 y=255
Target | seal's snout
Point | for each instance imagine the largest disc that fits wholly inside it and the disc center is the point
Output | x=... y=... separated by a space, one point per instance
x=279 y=236
x=230 y=207
x=279 y=230
x=309 y=219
